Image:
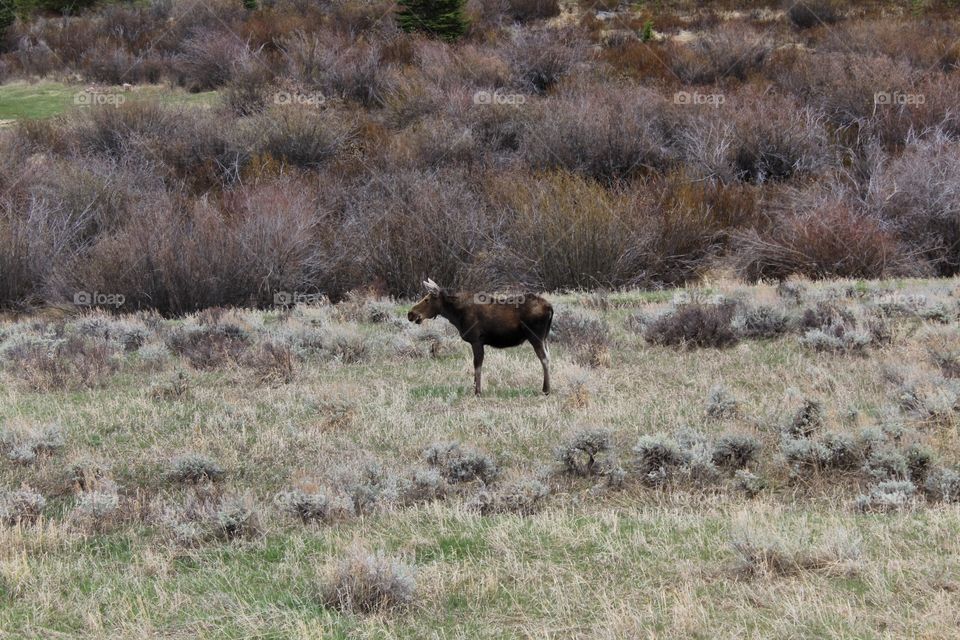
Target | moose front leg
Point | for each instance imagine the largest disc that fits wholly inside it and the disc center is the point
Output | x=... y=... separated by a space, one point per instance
x=477 y=366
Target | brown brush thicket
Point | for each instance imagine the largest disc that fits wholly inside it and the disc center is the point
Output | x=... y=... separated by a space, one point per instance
x=537 y=151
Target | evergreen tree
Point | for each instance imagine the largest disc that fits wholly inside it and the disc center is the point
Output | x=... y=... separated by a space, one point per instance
x=7 y=14
x=442 y=18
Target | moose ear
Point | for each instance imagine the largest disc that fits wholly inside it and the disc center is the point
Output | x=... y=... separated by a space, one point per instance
x=431 y=286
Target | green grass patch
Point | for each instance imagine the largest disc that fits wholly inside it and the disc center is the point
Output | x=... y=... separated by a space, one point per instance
x=23 y=100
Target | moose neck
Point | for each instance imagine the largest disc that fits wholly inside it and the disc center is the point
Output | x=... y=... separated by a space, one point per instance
x=451 y=309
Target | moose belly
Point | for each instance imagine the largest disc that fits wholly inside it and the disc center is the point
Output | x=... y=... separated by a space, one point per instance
x=502 y=341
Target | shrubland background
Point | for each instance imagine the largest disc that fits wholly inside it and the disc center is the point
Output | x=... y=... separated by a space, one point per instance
x=554 y=146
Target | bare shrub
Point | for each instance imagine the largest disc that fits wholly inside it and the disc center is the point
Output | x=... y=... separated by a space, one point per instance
x=208 y=346
x=814 y=13
x=657 y=458
x=932 y=42
x=587 y=336
x=918 y=194
x=885 y=497
x=72 y=362
x=564 y=231
x=721 y=404
x=607 y=133
x=461 y=464
x=35 y=56
x=757 y=138
x=807 y=420
x=727 y=52
x=540 y=57
x=761 y=321
x=735 y=451
x=207 y=59
x=21 y=507
x=368 y=583
x=338 y=67
x=844 y=87
x=273 y=362
x=195 y=468
x=695 y=326
x=522 y=497
x=248 y=91
x=527 y=10
x=585 y=453
x=300 y=137
x=410 y=224
x=834 y=240
x=316 y=506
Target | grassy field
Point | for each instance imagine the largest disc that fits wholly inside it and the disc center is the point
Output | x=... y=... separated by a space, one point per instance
x=343 y=400
x=19 y=100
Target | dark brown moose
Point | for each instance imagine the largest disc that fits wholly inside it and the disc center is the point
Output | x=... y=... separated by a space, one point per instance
x=493 y=320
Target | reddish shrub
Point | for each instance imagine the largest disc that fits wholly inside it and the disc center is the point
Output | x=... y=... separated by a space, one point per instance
x=830 y=240
x=641 y=60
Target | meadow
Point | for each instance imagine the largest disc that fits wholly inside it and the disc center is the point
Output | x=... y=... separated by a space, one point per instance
x=717 y=461
x=216 y=421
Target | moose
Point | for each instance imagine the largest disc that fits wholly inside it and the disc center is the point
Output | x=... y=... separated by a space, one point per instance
x=498 y=321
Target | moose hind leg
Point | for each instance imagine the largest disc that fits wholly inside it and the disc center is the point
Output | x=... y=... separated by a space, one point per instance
x=477 y=366
x=544 y=354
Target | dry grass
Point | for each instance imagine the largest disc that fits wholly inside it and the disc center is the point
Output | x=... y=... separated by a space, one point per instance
x=333 y=460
